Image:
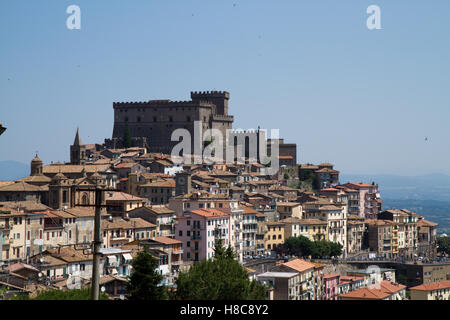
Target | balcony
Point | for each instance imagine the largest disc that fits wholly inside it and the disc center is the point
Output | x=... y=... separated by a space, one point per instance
x=196 y=237
x=177 y=251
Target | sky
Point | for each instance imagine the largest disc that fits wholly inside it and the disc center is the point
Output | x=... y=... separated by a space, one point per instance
x=369 y=101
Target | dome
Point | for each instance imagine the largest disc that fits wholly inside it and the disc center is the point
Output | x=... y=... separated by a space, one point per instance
x=36 y=159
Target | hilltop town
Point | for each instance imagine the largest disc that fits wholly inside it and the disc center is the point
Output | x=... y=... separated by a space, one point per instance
x=350 y=248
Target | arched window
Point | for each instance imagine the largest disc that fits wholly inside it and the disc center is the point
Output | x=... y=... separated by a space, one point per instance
x=85 y=199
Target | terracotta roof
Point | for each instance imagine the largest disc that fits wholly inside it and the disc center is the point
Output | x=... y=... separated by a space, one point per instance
x=160 y=209
x=5 y=183
x=121 y=196
x=432 y=286
x=72 y=168
x=19 y=266
x=167 y=240
x=311 y=221
x=126 y=165
x=161 y=184
x=210 y=213
x=37 y=178
x=20 y=187
x=324 y=170
x=27 y=206
x=385 y=290
x=288 y=204
x=69 y=254
x=299 y=265
x=426 y=223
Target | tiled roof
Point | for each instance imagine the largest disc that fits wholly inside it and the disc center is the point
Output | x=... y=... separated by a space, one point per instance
x=299 y=265
x=167 y=240
x=20 y=187
x=121 y=196
x=210 y=213
x=385 y=290
x=432 y=286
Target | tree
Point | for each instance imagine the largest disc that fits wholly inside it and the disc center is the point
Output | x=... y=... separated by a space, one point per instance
x=303 y=247
x=299 y=246
x=145 y=281
x=443 y=244
x=219 y=278
x=126 y=137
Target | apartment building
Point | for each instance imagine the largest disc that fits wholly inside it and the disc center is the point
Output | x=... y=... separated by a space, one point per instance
x=355 y=234
x=198 y=230
x=160 y=215
x=304 y=286
x=382 y=238
x=289 y=209
x=369 y=199
x=431 y=291
x=274 y=236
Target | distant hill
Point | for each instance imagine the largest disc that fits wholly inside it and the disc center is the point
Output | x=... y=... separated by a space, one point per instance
x=13 y=170
x=433 y=210
x=426 y=187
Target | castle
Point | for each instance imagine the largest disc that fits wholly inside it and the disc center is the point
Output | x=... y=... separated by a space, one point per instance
x=150 y=123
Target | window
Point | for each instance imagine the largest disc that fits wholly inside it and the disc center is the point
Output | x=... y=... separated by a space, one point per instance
x=82 y=267
x=188 y=244
x=188 y=222
x=180 y=233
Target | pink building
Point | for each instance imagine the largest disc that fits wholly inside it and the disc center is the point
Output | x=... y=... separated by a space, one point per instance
x=330 y=287
x=369 y=199
x=199 y=229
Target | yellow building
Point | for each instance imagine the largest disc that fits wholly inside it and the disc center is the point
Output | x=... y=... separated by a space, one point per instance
x=274 y=235
x=314 y=229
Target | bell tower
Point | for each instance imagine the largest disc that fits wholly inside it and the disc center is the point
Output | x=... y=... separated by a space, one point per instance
x=77 y=151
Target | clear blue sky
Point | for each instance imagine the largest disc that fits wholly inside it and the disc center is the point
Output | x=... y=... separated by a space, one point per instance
x=364 y=100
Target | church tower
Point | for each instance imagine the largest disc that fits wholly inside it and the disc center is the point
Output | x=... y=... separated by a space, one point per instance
x=77 y=151
x=36 y=166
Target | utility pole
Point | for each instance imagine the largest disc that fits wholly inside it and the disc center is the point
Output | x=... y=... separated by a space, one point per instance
x=97 y=243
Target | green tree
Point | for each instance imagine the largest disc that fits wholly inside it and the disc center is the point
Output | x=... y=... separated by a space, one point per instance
x=300 y=246
x=219 y=278
x=126 y=137
x=145 y=280
x=303 y=247
x=443 y=244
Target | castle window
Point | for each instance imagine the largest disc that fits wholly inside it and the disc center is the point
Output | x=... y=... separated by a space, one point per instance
x=126 y=119
x=138 y=119
x=154 y=119
x=188 y=119
x=170 y=119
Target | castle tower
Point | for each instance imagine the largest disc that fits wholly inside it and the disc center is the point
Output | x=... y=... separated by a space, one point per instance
x=77 y=151
x=219 y=98
x=36 y=166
